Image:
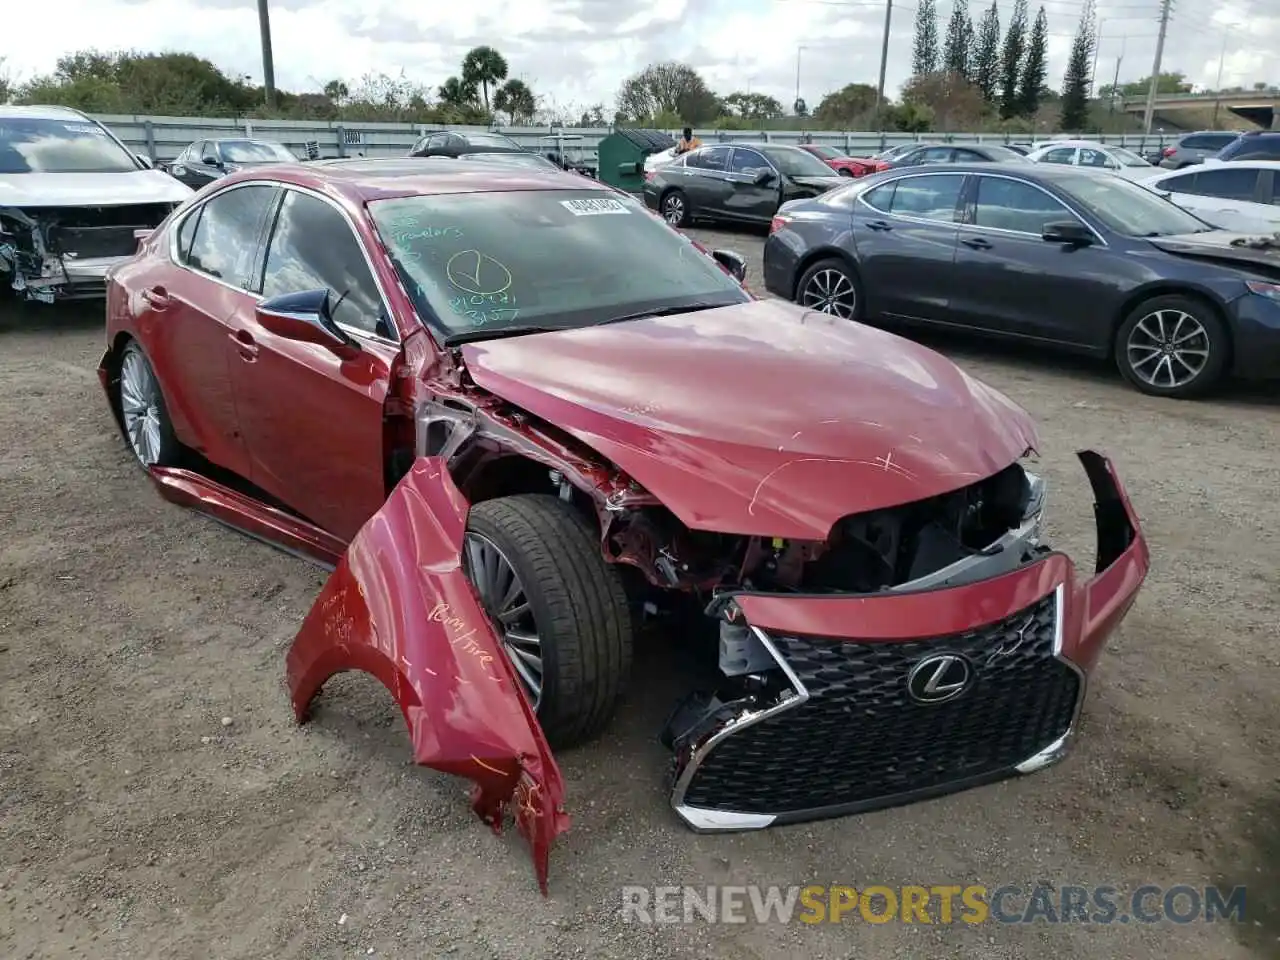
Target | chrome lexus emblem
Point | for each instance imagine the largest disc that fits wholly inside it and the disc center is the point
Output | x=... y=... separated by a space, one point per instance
x=939 y=678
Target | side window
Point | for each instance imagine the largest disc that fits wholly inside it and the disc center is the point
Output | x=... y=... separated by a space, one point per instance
x=1183 y=184
x=1059 y=155
x=1229 y=184
x=185 y=155
x=970 y=156
x=928 y=198
x=746 y=161
x=198 y=154
x=226 y=238
x=1094 y=158
x=1266 y=148
x=186 y=231
x=934 y=155
x=710 y=158
x=313 y=246
x=436 y=141
x=1194 y=143
x=1012 y=205
x=881 y=198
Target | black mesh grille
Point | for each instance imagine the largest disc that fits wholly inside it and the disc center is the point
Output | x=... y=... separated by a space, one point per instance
x=861 y=737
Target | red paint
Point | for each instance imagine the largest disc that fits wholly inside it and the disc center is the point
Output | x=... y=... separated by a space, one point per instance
x=855 y=166
x=399 y=607
x=854 y=419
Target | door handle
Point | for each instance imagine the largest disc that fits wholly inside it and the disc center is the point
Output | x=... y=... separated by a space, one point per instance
x=245 y=343
x=976 y=243
x=878 y=225
x=156 y=297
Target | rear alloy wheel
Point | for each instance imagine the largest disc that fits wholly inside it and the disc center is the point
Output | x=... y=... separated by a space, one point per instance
x=142 y=411
x=559 y=607
x=829 y=286
x=675 y=209
x=1172 y=346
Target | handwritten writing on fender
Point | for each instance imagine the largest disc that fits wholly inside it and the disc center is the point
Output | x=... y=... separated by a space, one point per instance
x=462 y=636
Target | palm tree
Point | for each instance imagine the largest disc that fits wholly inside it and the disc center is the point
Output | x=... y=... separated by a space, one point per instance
x=457 y=93
x=484 y=67
x=515 y=99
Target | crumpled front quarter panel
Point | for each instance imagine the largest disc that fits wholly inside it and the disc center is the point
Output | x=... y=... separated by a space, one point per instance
x=399 y=606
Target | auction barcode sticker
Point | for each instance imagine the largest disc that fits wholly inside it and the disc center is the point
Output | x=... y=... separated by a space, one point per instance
x=593 y=208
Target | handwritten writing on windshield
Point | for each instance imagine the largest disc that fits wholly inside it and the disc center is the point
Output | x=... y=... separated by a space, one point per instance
x=482 y=310
x=478 y=273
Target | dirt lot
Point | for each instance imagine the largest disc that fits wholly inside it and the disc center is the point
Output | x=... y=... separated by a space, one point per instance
x=156 y=798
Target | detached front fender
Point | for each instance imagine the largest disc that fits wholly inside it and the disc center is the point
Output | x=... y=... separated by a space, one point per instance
x=399 y=606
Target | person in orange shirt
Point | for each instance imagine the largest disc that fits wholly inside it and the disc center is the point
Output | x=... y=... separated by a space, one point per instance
x=688 y=142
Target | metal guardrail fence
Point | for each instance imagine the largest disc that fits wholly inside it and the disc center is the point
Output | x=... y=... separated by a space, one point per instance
x=163 y=138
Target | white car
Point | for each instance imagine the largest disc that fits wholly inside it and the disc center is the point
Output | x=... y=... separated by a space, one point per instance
x=1091 y=154
x=1242 y=195
x=73 y=202
x=660 y=159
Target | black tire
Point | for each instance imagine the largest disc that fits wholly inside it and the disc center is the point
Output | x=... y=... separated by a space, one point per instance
x=845 y=172
x=578 y=605
x=168 y=450
x=675 y=202
x=828 y=266
x=1131 y=347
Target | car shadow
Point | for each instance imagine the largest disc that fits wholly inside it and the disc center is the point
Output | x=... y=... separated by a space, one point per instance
x=75 y=315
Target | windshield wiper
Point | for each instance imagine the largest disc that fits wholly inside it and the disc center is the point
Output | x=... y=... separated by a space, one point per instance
x=664 y=312
x=455 y=339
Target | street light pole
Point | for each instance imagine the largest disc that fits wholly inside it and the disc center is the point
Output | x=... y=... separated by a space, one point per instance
x=1165 y=7
x=884 y=60
x=799 y=50
x=268 y=63
x=1217 y=87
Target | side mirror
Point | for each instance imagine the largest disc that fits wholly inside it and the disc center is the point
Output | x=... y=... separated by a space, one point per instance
x=210 y=160
x=145 y=161
x=764 y=178
x=306 y=317
x=735 y=263
x=1068 y=231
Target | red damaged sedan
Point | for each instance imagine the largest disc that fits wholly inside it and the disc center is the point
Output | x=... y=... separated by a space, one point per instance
x=842 y=163
x=515 y=413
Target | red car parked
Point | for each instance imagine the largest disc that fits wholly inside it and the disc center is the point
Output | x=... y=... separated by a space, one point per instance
x=844 y=165
x=514 y=412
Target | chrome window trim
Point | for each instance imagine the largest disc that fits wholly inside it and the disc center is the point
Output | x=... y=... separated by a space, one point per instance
x=932 y=172
x=1021 y=233
x=282 y=186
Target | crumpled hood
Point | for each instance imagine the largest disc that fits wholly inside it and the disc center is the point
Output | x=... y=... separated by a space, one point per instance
x=821 y=184
x=90 y=189
x=762 y=418
x=1255 y=253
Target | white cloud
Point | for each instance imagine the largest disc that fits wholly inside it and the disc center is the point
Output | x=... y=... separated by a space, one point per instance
x=579 y=51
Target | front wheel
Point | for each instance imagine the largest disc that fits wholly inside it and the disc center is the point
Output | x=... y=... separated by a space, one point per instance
x=559 y=607
x=830 y=286
x=1173 y=346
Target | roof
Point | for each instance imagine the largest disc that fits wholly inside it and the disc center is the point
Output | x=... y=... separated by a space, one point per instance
x=1046 y=172
x=653 y=140
x=362 y=180
x=40 y=112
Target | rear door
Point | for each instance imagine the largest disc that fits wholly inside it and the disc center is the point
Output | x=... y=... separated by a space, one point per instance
x=314 y=421
x=905 y=236
x=1226 y=195
x=747 y=199
x=196 y=305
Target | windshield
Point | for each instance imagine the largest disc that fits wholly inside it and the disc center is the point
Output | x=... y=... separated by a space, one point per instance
x=481 y=263
x=491 y=140
x=795 y=162
x=1129 y=208
x=520 y=159
x=894 y=151
x=254 y=151
x=1127 y=159
x=827 y=153
x=1005 y=155
x=28 y=145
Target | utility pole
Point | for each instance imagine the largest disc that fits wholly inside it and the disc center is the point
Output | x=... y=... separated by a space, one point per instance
x=1217 y=88
x=799 y=50
x=1115 y=82
x=884 y=61
x=1093 y=73
x=268 y=63
x=1166 y=7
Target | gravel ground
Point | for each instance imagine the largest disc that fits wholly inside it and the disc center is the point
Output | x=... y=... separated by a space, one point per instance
x=157 y=799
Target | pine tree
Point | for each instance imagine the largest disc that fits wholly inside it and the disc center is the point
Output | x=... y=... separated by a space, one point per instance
x=986 y=57
x=1078 y=79
x=1035 y=66
x=924 y=52
x=955 y=53
x=1015 y=47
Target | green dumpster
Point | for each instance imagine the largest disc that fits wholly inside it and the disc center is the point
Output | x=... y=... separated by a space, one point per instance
x=622 y=153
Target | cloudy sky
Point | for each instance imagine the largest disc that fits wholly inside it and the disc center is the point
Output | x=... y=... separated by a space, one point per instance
x=576 y=52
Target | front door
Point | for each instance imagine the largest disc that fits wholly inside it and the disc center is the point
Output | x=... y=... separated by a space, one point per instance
x=706 y=182
x=747 y=199
x=313 y=421
x=905 y=235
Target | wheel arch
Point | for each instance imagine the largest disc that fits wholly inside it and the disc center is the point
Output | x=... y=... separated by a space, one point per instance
x=826 y=252
x=1170 y=289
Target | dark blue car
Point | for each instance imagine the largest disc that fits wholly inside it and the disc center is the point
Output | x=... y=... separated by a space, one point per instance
x=1072 y=259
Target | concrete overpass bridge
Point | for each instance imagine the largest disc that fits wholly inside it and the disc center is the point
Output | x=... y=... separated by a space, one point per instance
x=1260 y=107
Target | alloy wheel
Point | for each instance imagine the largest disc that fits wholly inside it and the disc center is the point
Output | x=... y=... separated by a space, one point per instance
x=1168 y=349
x=503 y=597
x=673 y=209
x=830 y=291
x=140 y=407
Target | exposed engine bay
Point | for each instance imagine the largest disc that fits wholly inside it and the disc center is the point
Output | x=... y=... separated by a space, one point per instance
x=52 y=253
